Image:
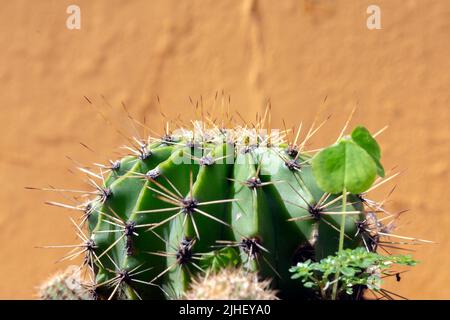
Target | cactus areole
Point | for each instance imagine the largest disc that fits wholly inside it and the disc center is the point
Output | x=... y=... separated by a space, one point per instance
x=196 y=191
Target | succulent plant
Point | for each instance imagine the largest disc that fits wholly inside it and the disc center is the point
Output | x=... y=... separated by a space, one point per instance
x=159 y=210
x=158 y=214
x=66 y=285
x=230 y=284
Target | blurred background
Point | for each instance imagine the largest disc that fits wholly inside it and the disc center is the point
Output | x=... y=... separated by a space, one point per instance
x=293 y=52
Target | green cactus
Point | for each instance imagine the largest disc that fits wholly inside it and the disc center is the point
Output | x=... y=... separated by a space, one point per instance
x=230 y=284
x=160 y=215
x=181 y=196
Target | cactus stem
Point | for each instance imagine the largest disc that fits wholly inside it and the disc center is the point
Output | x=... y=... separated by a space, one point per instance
x=344 y=213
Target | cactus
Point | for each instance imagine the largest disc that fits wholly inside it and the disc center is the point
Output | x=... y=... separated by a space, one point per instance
x=65 y=285
x=180 y=195
x=159 y=213
x=230 y=284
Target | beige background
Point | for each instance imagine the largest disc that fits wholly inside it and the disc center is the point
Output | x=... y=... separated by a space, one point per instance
x=294 y=52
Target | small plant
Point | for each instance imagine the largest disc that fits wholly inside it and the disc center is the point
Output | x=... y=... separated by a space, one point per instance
x=349 y=166
x=352 y=270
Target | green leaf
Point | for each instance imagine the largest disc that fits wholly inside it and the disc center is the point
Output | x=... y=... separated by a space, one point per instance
x=380 y=169
x=364 y=139
x=347 y=271
x=344 y=165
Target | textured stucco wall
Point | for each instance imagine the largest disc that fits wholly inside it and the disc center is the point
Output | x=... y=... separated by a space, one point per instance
x=294 y=52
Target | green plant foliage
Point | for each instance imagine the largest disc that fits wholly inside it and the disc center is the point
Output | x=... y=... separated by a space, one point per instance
x=355 y=268
x=344 y=165
x=365 y=140
x=349 y=166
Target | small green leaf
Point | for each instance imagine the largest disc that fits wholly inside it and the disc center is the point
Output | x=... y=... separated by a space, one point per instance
x=380 y=169
x=347 y=271
x=356 y=267
x=365 y=140
x=344 y=165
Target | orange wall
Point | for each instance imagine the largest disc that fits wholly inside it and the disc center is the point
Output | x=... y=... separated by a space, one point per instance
x=294 y=52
